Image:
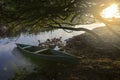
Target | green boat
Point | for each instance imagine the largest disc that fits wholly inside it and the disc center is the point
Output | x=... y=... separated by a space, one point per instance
x=46 y=54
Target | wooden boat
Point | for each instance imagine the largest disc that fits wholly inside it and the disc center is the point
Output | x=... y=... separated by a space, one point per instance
x=46 y=54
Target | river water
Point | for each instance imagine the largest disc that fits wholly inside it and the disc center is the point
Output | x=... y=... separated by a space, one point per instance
x=11 y=60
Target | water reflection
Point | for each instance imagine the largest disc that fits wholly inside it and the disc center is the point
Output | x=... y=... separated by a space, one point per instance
x=9 y=63
x=21 y=58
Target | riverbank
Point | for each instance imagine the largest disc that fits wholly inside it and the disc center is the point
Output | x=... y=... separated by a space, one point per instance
x=99 y=60
x=87 y=45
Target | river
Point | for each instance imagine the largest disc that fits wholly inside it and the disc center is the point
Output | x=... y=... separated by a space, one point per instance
x=11 y=60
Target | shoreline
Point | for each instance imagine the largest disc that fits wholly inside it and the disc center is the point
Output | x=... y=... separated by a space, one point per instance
x=88 y=46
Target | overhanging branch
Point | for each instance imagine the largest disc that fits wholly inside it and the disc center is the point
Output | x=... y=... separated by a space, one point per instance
x=79 y=29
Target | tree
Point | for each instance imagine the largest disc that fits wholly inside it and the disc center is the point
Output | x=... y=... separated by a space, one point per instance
x=31 y=14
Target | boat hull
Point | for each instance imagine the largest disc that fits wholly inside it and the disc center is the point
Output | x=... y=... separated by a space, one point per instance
x=49 y=55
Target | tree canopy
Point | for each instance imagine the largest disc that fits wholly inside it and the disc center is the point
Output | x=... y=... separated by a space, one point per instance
x=32 y=14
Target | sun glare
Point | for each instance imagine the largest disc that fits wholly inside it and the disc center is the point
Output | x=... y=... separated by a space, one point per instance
x=110 y=12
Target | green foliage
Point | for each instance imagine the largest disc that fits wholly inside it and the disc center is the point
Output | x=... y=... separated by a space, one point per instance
x=45 y=12
x=30 y=15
